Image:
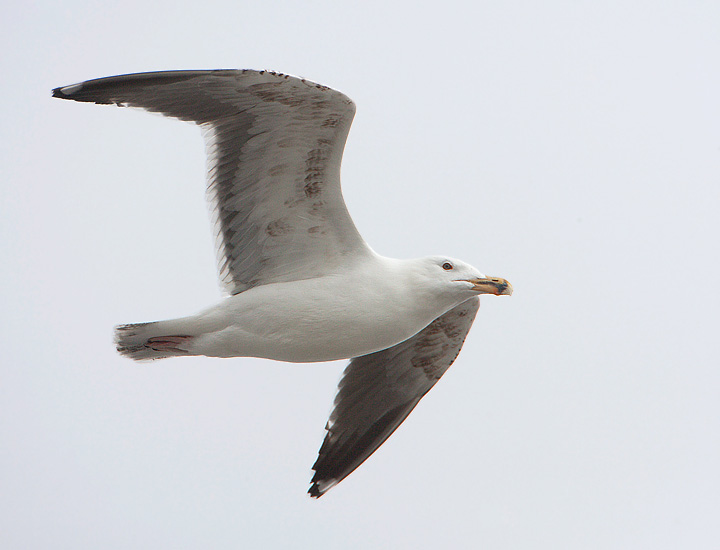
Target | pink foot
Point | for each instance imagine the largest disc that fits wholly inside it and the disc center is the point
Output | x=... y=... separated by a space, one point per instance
x=167 y=343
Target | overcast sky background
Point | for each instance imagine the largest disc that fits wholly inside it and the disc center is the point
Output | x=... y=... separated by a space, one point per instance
x=571 y=147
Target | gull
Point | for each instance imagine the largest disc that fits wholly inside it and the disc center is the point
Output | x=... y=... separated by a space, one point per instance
x=302 y=284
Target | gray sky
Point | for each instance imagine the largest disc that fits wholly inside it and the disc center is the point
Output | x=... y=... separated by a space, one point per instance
x=571 y=147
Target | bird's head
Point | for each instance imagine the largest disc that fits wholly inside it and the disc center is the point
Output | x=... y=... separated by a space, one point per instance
x=458 y=278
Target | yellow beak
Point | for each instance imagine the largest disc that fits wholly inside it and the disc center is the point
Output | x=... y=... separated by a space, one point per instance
x=491 y=285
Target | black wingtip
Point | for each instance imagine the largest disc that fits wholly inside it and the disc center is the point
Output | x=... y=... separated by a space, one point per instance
x=314 y=491
x=65 y=92
x=321 y=485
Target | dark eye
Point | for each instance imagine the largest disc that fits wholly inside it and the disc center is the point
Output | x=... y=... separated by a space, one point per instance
x=447 y=266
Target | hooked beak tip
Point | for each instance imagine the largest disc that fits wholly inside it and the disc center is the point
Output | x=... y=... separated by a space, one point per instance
x=492 y=285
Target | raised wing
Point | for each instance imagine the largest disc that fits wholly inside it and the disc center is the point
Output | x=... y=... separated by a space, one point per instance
x=274 y=145
x=378 y=391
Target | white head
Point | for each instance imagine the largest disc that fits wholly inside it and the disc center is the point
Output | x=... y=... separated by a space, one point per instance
x=462 y=281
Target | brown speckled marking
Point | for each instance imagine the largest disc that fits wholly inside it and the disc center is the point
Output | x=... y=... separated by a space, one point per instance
x=277 y=169
x=331 y=121
x=453 y=331
x=314 y=85
x=315 y=165
x=272 y=92
x=312 y=188
x=316 y=209
x=433 y=346
x=278 y=228
x=289 y=142
x=430 y=364
x=316 y=229
x=313 y=109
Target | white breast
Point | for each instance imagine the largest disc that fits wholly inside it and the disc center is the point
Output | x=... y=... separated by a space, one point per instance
x=347 y=314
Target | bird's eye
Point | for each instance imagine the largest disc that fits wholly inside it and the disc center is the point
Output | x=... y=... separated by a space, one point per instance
x=447 y=266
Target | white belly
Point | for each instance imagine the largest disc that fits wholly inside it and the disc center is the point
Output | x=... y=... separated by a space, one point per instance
x=310 y=321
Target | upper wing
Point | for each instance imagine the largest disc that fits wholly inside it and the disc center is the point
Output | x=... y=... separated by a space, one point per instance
x=274 y=146
x=378 y=391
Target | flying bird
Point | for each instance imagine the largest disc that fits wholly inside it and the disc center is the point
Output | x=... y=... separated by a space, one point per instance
x=302 y=284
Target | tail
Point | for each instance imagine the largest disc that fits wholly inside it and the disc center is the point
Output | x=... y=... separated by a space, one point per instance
x=147 y=341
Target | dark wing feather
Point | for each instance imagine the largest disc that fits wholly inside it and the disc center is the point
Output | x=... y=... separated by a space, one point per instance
x=378 y=391
x=274 y=145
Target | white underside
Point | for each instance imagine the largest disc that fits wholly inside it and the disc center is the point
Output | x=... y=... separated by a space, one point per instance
x=355 y=312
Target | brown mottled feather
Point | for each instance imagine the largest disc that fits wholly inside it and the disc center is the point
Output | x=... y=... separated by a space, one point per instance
x=378 y=391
